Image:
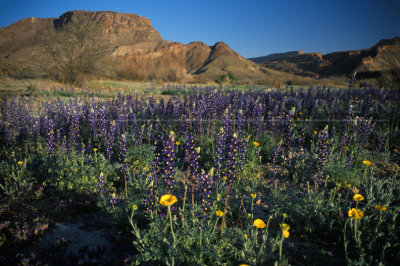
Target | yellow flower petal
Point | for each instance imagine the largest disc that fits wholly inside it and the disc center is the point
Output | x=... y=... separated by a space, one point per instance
x=168 y=200
x=253 y=195
x=259 y=223
x=20 y=163
x=358 y=197
x=285 y=227
x=367 y=162
x=355 y=213
x=285 y=233
x=380 y=207
x=219 y=213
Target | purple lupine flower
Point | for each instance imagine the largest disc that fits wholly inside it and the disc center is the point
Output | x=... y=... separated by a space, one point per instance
x=139 y=138
x=219 y=152
x=205 y=191
x=35 y=129
x=73 y=130
x=322 y=152
x=258 y=119
x=349 y=161
x=123 y=121
x=169 y=110
x=156 y=173
x=302 y=138
x=168 y=158
x=149 y=131
x=50 y=138
x=123 y=154
x=183 y=124
x=226 y=121
x=113 y=199
x=100 y=183
x=232 y=158
x=381 y=142
x=364 y=128
x=191 y=156
x=101 y=125
x=92 y=121
x=240 y=121
x=110 y=139
x=243 y=152
x=287 y=129
x=191 y=162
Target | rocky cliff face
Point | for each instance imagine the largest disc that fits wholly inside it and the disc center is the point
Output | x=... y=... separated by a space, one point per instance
x=120 y=29
x=138 y=47
x=384 y=56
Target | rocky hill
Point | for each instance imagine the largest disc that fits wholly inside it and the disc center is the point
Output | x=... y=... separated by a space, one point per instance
x=384 y=57
x=273 y=57
x=138 y=48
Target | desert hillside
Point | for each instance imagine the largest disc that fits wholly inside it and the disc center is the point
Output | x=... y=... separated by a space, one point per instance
x=138 y=48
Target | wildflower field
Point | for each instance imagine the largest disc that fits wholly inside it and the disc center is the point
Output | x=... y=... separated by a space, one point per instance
x=201 y=176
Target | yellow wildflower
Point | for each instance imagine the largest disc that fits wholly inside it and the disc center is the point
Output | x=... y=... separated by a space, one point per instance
x=285 y=226
x=168 y=200
x=256 y=144
x=177 y=143
x=245 y=236
x=94 y=149
x=355 y=214
x=219 y=213
x=20 y=163
x=315 y=132
x=259 y=223
x=134 y=207
x=367 y=162
x=358 y=197
x=284 y=215
x=380 y=207
x=253 y=195
x=285 y=233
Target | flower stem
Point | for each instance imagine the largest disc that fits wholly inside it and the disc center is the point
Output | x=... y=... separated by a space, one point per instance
x=170 y=222
x=225 y=207
x=183 y=207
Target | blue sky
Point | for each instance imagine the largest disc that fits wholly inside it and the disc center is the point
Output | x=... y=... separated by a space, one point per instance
x=251 y=27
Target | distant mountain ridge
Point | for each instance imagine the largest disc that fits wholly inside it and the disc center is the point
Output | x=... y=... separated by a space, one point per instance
x=382 y=57
x=273 y=57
